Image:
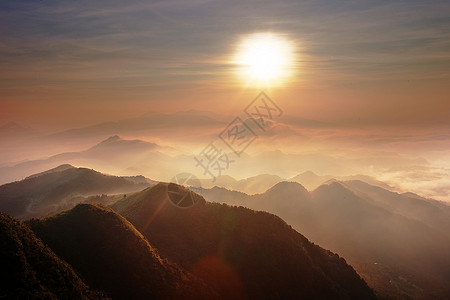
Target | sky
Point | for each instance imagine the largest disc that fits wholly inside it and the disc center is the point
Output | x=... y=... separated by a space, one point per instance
x=67 y=64
x=368 y=79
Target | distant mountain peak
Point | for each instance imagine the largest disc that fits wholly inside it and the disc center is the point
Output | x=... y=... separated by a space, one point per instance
x=199 y=238
x=117 y=141
x=11 y=125
x=160 y=195
x=13 y=129
x=114 y=138
x=59 y=168
x=226 y=177
x=309 y=172
x=335 y=187
x=65 y=166
x=307 y=175
x=332 y=181
x=287 y=186
x=111 y=139
x=264 y=176
x=413 y=195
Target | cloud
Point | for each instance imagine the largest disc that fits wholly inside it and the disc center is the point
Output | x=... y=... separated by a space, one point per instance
x=373 y=63
x=190 y=40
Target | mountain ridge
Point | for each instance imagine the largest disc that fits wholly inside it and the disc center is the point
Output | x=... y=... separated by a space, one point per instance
x=365 y=232
x=114 y=257
x=228 y=248
x=56 y=190
x=31 y=270
x=100 y=154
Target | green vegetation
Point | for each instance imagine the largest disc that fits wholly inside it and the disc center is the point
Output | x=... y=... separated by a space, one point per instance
x=240 y=252
x=30 y=270
x=114 y=257
x=156 y=250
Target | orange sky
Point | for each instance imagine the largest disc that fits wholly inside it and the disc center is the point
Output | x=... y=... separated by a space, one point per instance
x=69 y=65
x=370 y=81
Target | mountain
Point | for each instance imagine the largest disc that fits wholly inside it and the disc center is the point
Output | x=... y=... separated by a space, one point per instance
x=289 y=200
x=393 y=246
x=114 y=257
x=380 y=235
x=257 y=184
x=111 y=155
x=310 y=180
x=431 y=213
x=16 y=147
x=242 y=253
x=30 y=270
x=260 y=183
x=367 y=179
x=146 y=123
x=115 y=143
x=54 y=170
x=225 y=181
x=251 y=185
x=139 y=179
x=59 y=189
x=12 y=130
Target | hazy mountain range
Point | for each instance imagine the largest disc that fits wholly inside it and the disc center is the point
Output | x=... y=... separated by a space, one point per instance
x=243 y=254
x=150 y=122
x=125 y=157
x=12 y=130
x=21 y=143
x=399 y=243
x=112 y=153
x=261 y=183
x=61 y=188
x=151 y=145
x=208 y=251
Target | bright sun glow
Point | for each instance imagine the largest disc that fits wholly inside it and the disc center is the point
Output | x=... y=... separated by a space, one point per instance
x=264 y=59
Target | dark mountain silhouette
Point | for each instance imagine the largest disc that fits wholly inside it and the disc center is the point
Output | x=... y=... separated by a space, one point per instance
x=400 y=256
x=240 y=252
x=114 y=257
x=30 y=270
x=60 y=189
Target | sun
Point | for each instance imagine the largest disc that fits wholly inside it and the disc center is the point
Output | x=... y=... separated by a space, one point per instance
x=264 y=59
